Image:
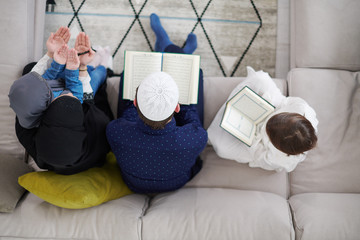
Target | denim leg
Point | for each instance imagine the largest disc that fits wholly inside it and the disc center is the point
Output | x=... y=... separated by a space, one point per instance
x=98 y=77
x=173 y=49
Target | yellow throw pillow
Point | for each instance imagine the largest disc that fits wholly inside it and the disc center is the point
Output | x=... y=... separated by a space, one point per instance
x=82 y=190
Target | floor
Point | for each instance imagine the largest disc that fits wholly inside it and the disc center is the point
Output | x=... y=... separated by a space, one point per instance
x=232 y=34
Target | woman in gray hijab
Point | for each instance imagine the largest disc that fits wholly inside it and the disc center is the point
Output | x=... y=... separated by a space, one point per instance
x=62 y=132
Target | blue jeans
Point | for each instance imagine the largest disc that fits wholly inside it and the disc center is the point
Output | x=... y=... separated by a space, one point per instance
x=98 y=77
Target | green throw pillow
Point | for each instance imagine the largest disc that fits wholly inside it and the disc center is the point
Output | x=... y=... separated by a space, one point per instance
x=82 y=190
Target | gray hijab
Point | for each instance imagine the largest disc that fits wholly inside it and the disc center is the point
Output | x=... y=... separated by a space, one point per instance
x=29 y=97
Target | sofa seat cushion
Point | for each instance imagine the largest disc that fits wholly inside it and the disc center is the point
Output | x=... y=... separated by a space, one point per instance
x=326 y=216
x=216 y=213
x=36 y=219
x=223 y=173
x=333 y=166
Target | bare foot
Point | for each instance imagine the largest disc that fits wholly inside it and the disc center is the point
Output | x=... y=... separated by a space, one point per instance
x=60 y=55
x=73 y=61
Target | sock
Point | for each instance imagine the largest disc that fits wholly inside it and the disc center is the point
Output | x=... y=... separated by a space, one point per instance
x=191 y=44
x=162 y=39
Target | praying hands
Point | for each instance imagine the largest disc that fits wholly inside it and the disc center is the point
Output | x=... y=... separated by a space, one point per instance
x=83 y=47
x=69 y=56
x=56 y=40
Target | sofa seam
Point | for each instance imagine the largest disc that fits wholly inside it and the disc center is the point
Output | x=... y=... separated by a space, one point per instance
x=238 y=189
x=291 y=220
x=140 y=218
x=292 y=32
x=294 y=223
x=287 y=186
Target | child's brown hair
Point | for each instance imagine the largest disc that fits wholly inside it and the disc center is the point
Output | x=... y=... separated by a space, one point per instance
x=291 y=133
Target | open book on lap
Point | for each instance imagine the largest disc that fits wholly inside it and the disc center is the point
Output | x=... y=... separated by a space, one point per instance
x=243 y=112
x=183 y=68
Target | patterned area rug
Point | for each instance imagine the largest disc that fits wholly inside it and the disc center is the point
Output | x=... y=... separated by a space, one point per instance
x=232 y=34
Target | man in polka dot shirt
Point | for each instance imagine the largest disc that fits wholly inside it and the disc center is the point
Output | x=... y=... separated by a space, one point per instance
x=156 y=141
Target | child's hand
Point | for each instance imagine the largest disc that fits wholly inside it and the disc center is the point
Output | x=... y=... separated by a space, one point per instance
x=60 y=55
x=56 y=40
x=82 y=44
x=73 y=61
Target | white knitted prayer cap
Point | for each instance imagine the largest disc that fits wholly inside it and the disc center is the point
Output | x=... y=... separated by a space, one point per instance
x=157 y=96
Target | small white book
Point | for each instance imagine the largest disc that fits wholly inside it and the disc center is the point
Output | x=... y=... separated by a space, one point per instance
x=183 y=68
x=243 y=112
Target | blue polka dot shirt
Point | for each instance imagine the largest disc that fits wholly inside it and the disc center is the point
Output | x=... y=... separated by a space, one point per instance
x=154 y=161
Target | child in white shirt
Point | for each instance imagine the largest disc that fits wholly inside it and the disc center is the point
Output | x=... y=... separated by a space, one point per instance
x=281 y=141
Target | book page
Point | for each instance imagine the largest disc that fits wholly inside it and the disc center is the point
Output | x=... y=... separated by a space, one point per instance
x=242 y=112
x=238 y=125
x=138 y=65
x=184 y=68
x=251 y=105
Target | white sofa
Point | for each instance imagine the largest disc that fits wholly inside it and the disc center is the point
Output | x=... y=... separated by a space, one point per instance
x=228 y=200
x=325 y=61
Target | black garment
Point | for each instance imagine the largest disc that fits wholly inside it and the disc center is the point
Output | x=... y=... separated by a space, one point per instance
x=28 y=68
x=61 y=135
x=71 y=137
x=68 y=151
x=101 y=100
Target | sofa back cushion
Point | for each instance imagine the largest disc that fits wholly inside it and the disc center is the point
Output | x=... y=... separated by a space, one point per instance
x=333 y=166
x=325 y=34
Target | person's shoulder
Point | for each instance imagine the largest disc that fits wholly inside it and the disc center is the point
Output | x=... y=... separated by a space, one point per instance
x=297 y=104
x=193 y=132
x=268 y=157
x=295 y=100
x=120 y=123
x=192 y=127
x=118 y=131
